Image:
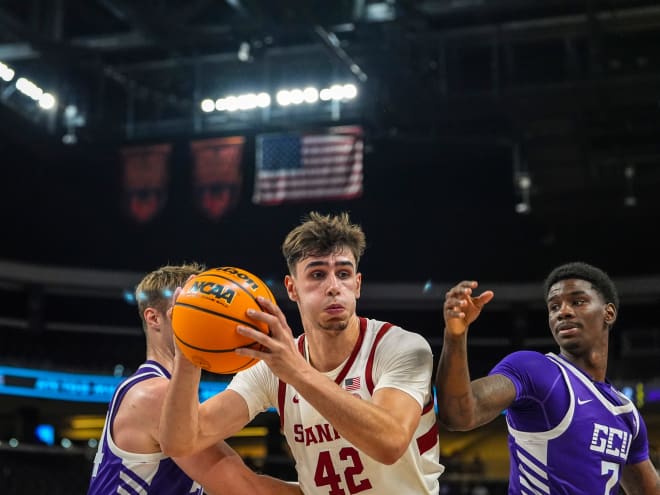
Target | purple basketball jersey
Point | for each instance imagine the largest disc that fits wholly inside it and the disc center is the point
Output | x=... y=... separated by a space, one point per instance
x=117 y=471
x=567 y=433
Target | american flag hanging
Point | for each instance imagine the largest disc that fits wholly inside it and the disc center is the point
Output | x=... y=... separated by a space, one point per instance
x=352 y=383
x=309 y=167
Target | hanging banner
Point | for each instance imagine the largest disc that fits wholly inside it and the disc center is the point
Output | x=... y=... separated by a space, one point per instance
x=216 y=174
x=145 y=180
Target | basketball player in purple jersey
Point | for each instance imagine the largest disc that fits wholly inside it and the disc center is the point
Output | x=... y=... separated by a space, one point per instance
x=570 y=431
x=129 y=459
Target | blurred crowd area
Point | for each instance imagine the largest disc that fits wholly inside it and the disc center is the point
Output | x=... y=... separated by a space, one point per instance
x=54 y=471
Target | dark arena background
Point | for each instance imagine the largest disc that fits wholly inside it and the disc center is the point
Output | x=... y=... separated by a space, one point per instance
x=498 y=138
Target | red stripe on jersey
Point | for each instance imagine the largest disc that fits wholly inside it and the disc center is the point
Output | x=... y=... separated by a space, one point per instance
x=370 y=361
x=281 y=396
x=356 y=349
x=281 y=387
x=428 y=440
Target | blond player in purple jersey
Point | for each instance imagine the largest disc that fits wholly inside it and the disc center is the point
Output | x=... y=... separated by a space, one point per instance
x=353 y=394
x=129 y=460
x=570 y=431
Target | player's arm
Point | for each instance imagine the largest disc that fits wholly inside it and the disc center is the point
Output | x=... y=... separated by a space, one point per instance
x=221 y=471
x=464 y=404
x=640 y=479
x=382 y=428
x=186 y=426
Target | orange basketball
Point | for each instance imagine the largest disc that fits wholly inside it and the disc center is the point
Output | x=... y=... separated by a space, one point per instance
x=207 y=312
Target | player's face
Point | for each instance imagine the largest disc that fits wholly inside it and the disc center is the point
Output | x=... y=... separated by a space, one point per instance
x=326 y=289
x=578 y=316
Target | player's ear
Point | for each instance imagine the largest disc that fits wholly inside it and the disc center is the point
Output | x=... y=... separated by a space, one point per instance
x=610 y=314
x=291 y=290
x=152 y=317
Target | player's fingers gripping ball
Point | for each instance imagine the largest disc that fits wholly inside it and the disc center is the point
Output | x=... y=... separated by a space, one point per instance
x=207 y=312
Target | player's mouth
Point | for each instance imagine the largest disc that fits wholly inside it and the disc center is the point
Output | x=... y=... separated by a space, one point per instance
x=334 y=309
x=567 y=329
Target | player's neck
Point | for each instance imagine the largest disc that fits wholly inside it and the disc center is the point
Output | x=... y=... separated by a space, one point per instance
x=162 y=356
x=327 y=349
x=593 y=363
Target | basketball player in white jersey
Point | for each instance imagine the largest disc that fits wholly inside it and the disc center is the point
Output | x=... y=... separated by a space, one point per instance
x=129 y=458
x=353 y=394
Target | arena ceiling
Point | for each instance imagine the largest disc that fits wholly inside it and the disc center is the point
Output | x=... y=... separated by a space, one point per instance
x=571 y=87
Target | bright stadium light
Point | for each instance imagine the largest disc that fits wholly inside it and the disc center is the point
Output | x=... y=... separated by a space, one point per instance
x=207 y=105
x=325 y=94
x=47 y=101
x=247 y=101
x=283 y=97
x=6 y=72
x=337 y=91
x=350 y=91
x=297 y=96
x=311 y=95
x=263 y=100
x=232 y=103
x=28 y=88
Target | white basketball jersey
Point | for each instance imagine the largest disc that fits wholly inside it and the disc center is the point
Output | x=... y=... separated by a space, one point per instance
x=327 y=464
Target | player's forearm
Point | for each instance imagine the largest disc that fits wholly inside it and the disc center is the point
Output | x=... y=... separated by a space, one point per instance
x=640 y=479
x=456 y=402
x=180 y=414
x=367 y=426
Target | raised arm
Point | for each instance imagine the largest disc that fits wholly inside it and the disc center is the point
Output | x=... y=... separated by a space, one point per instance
x=465 y=404
x=186 y=426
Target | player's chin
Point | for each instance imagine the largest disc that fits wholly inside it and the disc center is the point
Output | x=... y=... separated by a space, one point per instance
x=335 y=324
x=569 y=343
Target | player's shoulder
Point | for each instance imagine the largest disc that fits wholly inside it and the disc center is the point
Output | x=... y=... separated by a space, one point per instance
x=376 y=326
x=527 y=359
x=396 y=335
x=148 y=393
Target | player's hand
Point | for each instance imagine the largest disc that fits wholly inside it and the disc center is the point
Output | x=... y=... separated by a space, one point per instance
x=281 y=353
x=461 y=308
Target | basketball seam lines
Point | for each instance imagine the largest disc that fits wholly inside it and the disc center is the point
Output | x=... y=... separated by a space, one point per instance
x=204 y=310
x=233 y=282
x=215 y=313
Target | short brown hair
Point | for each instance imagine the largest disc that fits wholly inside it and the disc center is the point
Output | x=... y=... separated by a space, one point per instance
x=320 y=235
x=156 y=288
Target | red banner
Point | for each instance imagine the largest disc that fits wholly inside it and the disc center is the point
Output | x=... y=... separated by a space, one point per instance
x=145 y=180
x=217 y=174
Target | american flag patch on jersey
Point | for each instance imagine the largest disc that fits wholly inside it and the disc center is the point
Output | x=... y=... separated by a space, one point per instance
x=352 y=383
